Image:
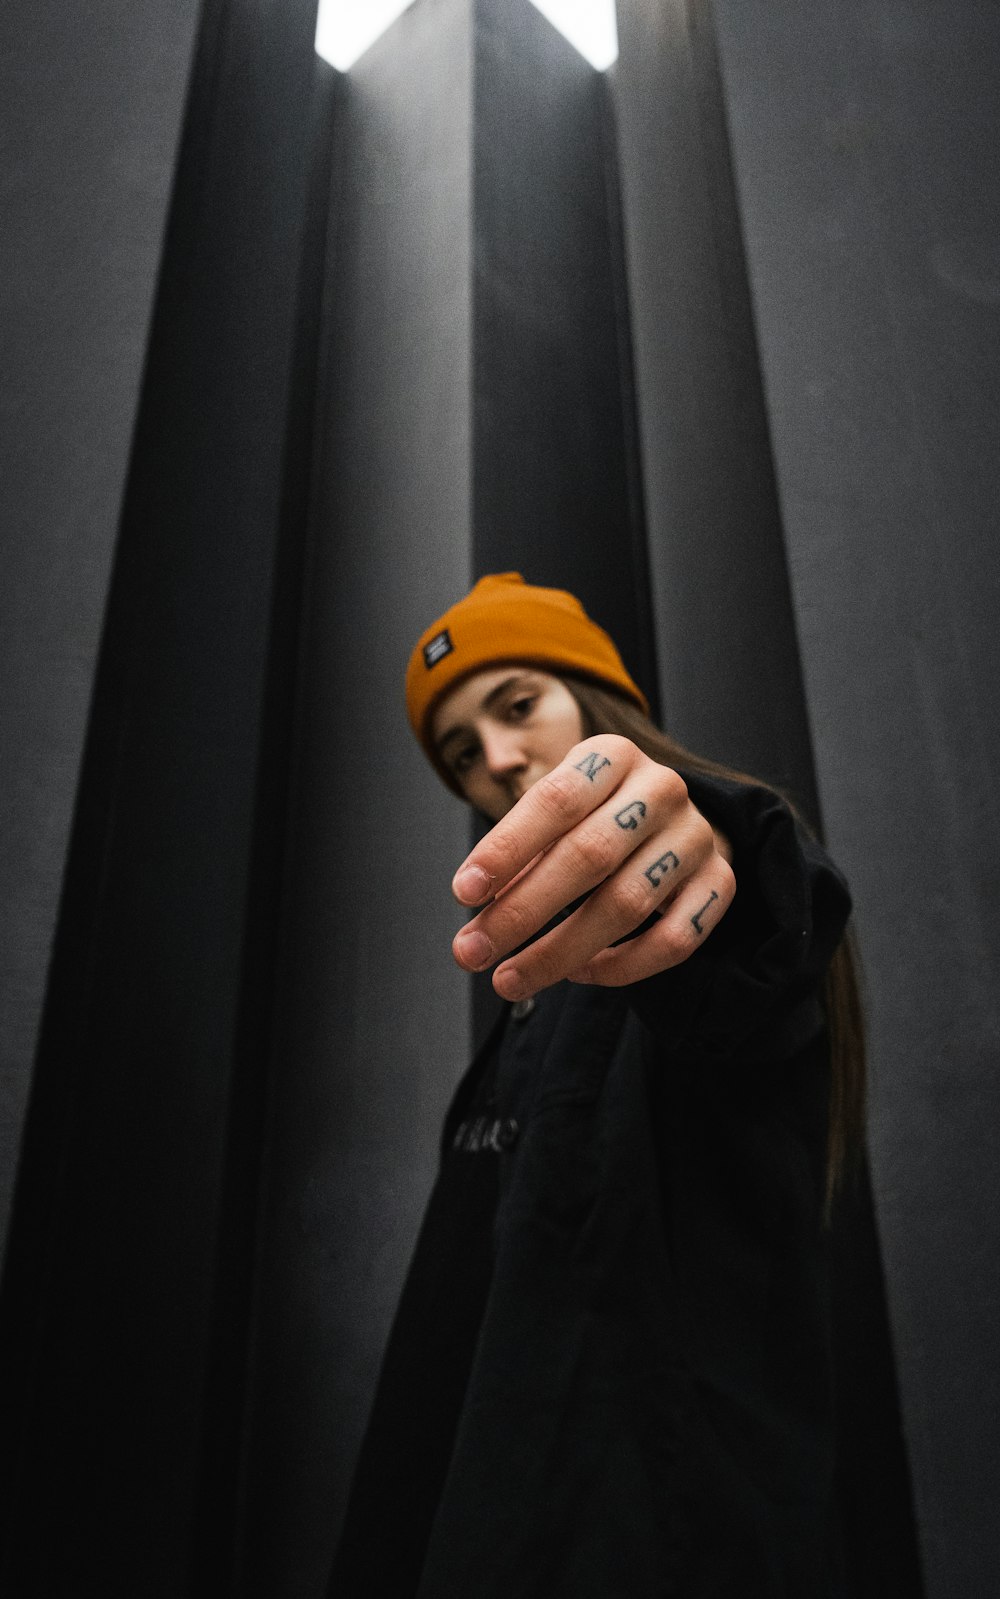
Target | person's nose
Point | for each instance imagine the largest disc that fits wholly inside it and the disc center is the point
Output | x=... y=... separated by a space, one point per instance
x=503 y=752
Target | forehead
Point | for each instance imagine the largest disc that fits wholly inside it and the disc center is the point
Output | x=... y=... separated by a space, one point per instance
x=464 y=700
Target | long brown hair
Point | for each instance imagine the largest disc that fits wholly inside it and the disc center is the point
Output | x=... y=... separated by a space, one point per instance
x=605 y=711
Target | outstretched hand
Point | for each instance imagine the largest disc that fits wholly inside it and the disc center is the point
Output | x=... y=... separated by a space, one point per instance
x=607 y=819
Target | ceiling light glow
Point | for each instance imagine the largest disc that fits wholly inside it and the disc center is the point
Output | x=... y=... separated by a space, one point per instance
x=588 y=24
x=345 y=28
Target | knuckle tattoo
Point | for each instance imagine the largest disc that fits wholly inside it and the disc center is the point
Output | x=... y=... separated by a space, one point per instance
x=592 y=764
x=697 y=919
x=657 y=870
x=629 y=818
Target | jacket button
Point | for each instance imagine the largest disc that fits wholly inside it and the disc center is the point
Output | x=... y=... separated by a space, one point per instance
x=522 y=1008
x=507 y=1133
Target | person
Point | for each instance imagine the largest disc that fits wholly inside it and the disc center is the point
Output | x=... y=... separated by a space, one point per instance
x=609 y=1373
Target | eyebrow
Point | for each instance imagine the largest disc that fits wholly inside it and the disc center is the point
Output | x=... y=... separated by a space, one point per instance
x=492 y=696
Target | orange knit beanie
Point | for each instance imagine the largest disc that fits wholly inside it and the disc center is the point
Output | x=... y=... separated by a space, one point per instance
x=506 y=619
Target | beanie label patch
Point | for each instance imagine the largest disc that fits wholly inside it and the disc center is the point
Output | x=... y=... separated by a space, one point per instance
x=439 y=646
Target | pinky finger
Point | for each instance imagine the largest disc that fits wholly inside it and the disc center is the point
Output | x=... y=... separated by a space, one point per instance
x=683 y=926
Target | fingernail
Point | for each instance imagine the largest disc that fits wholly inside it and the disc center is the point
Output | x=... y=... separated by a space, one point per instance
x=471 y=884
x=475 y=949
x=509 y=984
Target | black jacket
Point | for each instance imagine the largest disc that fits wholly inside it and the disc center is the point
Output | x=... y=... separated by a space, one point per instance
x=649 y=1410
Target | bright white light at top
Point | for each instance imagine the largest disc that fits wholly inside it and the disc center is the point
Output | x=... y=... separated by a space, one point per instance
x=345 y=28
x=588 y=24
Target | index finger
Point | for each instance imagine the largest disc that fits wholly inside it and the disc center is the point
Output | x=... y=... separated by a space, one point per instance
x=591 y=771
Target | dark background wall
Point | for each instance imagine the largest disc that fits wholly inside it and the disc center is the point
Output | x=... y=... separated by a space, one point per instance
x=372 y=1015
x=725 y=626
x=123 y=1307
x=726 y=612
x=91 y=122
x=864 y=143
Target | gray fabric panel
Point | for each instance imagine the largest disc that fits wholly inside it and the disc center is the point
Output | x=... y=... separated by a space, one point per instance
x=91 y=118
x=725 y=628
x=113 y=1279
x=864 y=143
x=373 y=1025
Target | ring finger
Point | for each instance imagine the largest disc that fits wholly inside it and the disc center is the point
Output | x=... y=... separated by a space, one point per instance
x=685 y=922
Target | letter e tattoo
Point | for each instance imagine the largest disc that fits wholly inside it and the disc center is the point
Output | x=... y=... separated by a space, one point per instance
x=659 y=869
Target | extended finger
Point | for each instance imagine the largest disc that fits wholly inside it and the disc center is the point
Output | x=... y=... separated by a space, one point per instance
x=624 y=901
x=557 y=802
x=688 y=920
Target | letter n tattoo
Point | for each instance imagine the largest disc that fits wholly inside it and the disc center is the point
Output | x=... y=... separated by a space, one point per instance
x=591 y=765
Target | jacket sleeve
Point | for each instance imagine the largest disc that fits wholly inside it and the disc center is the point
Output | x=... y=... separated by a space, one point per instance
x=751 y=991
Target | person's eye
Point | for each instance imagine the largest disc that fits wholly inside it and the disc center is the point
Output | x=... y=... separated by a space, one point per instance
x=518 y=709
